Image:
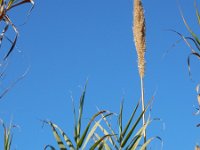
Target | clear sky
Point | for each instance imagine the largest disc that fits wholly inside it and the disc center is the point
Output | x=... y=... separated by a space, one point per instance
x=66 y=42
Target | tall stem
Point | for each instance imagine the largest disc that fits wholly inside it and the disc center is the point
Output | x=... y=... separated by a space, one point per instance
x=143 y=106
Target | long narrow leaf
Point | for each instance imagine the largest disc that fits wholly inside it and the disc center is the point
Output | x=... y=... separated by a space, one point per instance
x=120 y=118
x=75 y=119
x=98 y=142
x=130 y=120
x=127 y=137
x=144 y=146
x=110 y=139
x=110 y=128
x=91 y=133
x=66 y=138
x=87 y=128
x=103 y=145
x=81 y=104
x=139 y=135
x=57 y=137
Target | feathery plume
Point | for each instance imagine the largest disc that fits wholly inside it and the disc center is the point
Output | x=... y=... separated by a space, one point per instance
x=139 y=35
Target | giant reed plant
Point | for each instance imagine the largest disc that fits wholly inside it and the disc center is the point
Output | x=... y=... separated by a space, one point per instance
x=140 y=44
x=129 y=136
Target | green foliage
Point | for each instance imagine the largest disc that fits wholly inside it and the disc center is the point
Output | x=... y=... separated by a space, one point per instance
x=81 y=139
x=129 y=137
x=8 y=136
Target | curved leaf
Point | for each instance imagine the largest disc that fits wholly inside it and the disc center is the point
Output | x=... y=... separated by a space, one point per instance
x=58 y=139
x=87 y=128
x=99 y=141
x=49 y=146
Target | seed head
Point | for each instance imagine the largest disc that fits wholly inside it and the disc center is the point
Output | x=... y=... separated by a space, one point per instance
x=139 y=35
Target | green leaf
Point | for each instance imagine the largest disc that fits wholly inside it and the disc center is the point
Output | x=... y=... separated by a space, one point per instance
x=99 y=141
x=75 y=120
x=110 y=139
x=130 y=120
x=87 y=128
x=103 y=145
x=66 y=138
x=144 y=146
x=126 y=138
x=109 y=127
x=81 y=104
x=120 y=122
x=91 y=133
x=139 y=135
x=57 y=137
x=7 y=136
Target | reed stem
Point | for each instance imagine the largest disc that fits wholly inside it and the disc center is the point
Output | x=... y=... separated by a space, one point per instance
x=143 y=106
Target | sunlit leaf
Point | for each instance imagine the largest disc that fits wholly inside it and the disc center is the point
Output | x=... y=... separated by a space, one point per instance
x=130 y=120
x=66 y=138
x=57 y=136
x=87 y=128
x=99 y=141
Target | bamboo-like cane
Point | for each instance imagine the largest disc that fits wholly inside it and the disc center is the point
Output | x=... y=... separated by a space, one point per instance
x=140 y=44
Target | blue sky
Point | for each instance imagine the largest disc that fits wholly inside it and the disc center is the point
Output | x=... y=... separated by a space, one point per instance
x=67 y=42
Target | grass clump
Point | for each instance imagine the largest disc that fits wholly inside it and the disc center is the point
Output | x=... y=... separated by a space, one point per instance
x=81 y=139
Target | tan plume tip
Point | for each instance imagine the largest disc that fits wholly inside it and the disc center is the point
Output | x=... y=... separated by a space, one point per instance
x=139 y=35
